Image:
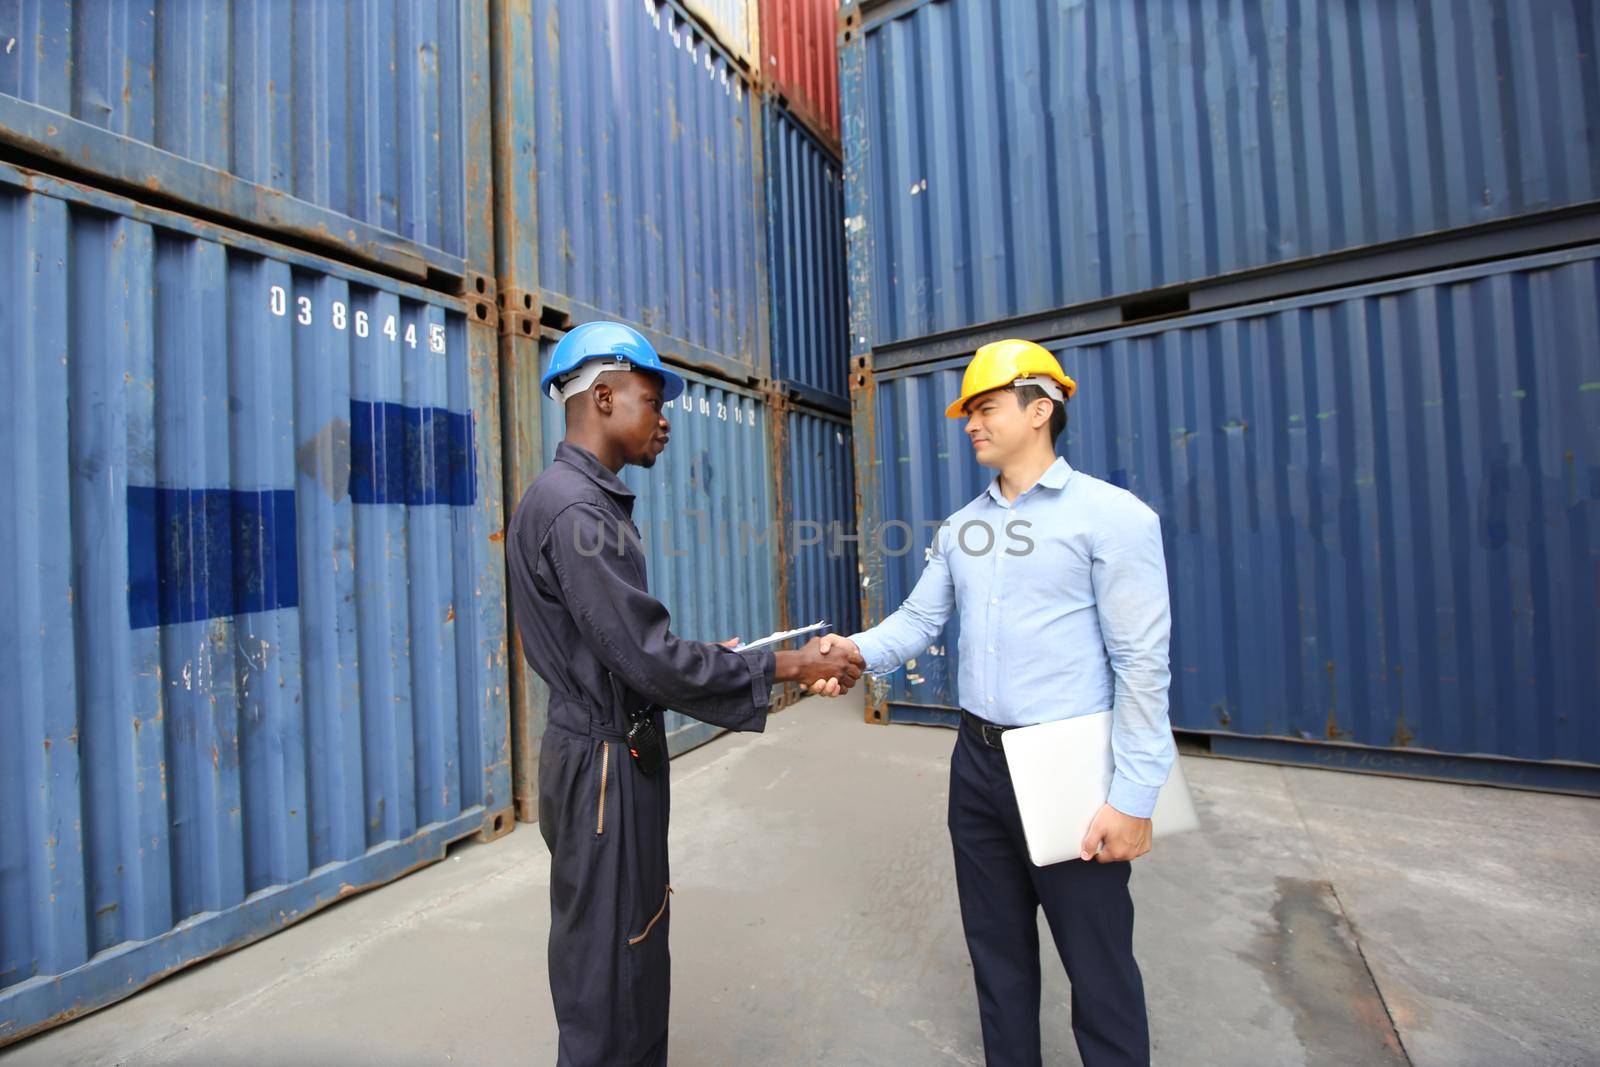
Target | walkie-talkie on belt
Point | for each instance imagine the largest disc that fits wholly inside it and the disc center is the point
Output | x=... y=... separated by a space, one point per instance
x=644 y=741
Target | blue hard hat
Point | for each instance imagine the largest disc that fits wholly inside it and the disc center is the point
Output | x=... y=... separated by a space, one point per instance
x=619 y=347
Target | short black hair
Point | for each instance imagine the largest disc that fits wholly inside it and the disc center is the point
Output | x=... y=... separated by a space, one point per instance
x=1027 y=394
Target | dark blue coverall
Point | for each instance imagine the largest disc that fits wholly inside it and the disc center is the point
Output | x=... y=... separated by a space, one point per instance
x=593 y=632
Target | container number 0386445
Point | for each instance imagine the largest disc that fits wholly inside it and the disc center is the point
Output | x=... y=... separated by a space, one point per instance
x=342 y=318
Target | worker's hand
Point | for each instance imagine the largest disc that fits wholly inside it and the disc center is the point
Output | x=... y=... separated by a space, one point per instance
x=1114 y=836
x=833 y=641
x=830 y=643
x=836 y=670
x=827 y=687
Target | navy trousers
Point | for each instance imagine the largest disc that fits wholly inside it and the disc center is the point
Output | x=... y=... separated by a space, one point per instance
x=1086 y=904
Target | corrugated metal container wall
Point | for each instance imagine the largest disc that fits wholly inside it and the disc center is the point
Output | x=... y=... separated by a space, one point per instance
x=800 y=61
x=650 y=205
x=255 y=648
x=338 y=123
x=706 y=513
x=523 y=413
x=1010 y=162
x=1378 y=504
x=805 y=237
x=913 y=465
x=818 y=483
x=734 y=23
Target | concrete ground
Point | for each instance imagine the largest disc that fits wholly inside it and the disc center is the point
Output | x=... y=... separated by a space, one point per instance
x=1318 y=918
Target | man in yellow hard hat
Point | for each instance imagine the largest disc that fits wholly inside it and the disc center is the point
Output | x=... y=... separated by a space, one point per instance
x=1061 y=586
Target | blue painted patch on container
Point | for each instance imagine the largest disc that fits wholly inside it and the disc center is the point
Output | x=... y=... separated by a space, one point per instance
x=213 y=553
x=409 y=455
x=208 y=553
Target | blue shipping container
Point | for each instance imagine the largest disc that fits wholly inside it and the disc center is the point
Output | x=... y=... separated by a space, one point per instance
x=353 y=125
x=817 y=486
x=645 y=153
x=1379 y=505
x=706 y=513
x=805 y=241
x=254 y=647
x=1022 y=157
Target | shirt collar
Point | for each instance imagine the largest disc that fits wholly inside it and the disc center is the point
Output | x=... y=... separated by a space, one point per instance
x=1054 y=477
x=597 y=472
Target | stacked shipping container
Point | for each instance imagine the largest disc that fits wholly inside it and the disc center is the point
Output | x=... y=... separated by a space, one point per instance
x=259 y=639
x=1112 y=149
x=810 y=342
x=264 y=569
x=1369 y=495
x=651 y=199
x=636 y=199
x=800 y=63
x=230 y=112
x=256 y=642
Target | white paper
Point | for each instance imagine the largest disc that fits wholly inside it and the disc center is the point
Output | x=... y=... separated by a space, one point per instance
x=780 y=637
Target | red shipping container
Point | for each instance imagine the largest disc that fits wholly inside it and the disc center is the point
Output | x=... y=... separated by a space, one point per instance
x=800 y=61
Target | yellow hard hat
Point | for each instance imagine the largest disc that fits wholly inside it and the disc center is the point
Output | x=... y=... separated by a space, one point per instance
x=1000 y=363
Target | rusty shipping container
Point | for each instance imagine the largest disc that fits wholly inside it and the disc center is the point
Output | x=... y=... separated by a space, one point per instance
x=805 y=238
x=1012 y=160
x=800 y=62
x=816 y=485
x=360 y=128
x=629 y=179
x=1379 y=508
x=256 y=637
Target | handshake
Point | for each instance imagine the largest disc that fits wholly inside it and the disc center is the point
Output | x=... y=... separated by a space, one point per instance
x=826 y=666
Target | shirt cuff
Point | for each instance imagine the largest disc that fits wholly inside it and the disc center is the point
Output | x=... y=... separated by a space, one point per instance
x=877 y=657
x=763 y=665
x=1131 y=798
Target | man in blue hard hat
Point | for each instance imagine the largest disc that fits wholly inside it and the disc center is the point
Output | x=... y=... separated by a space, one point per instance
x=601 y=642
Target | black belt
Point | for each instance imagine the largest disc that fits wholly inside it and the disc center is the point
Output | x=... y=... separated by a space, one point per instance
x=988 y=732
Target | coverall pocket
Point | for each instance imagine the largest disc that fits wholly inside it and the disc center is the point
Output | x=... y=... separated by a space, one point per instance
x=605 y=783
x=648 y=967
x=659 y=918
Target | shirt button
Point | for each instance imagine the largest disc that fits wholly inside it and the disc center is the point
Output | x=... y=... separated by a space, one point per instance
x=991 y=700
x=995 y=600
x=991 y=648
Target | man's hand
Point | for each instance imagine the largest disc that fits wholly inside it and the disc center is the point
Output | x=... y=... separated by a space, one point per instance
x=830 y=644
x=833 y=641
x=1114 y=836
x=825 y=671
x=829 y=687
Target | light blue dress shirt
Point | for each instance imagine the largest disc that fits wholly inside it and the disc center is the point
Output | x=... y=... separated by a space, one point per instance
x=1064 y=611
